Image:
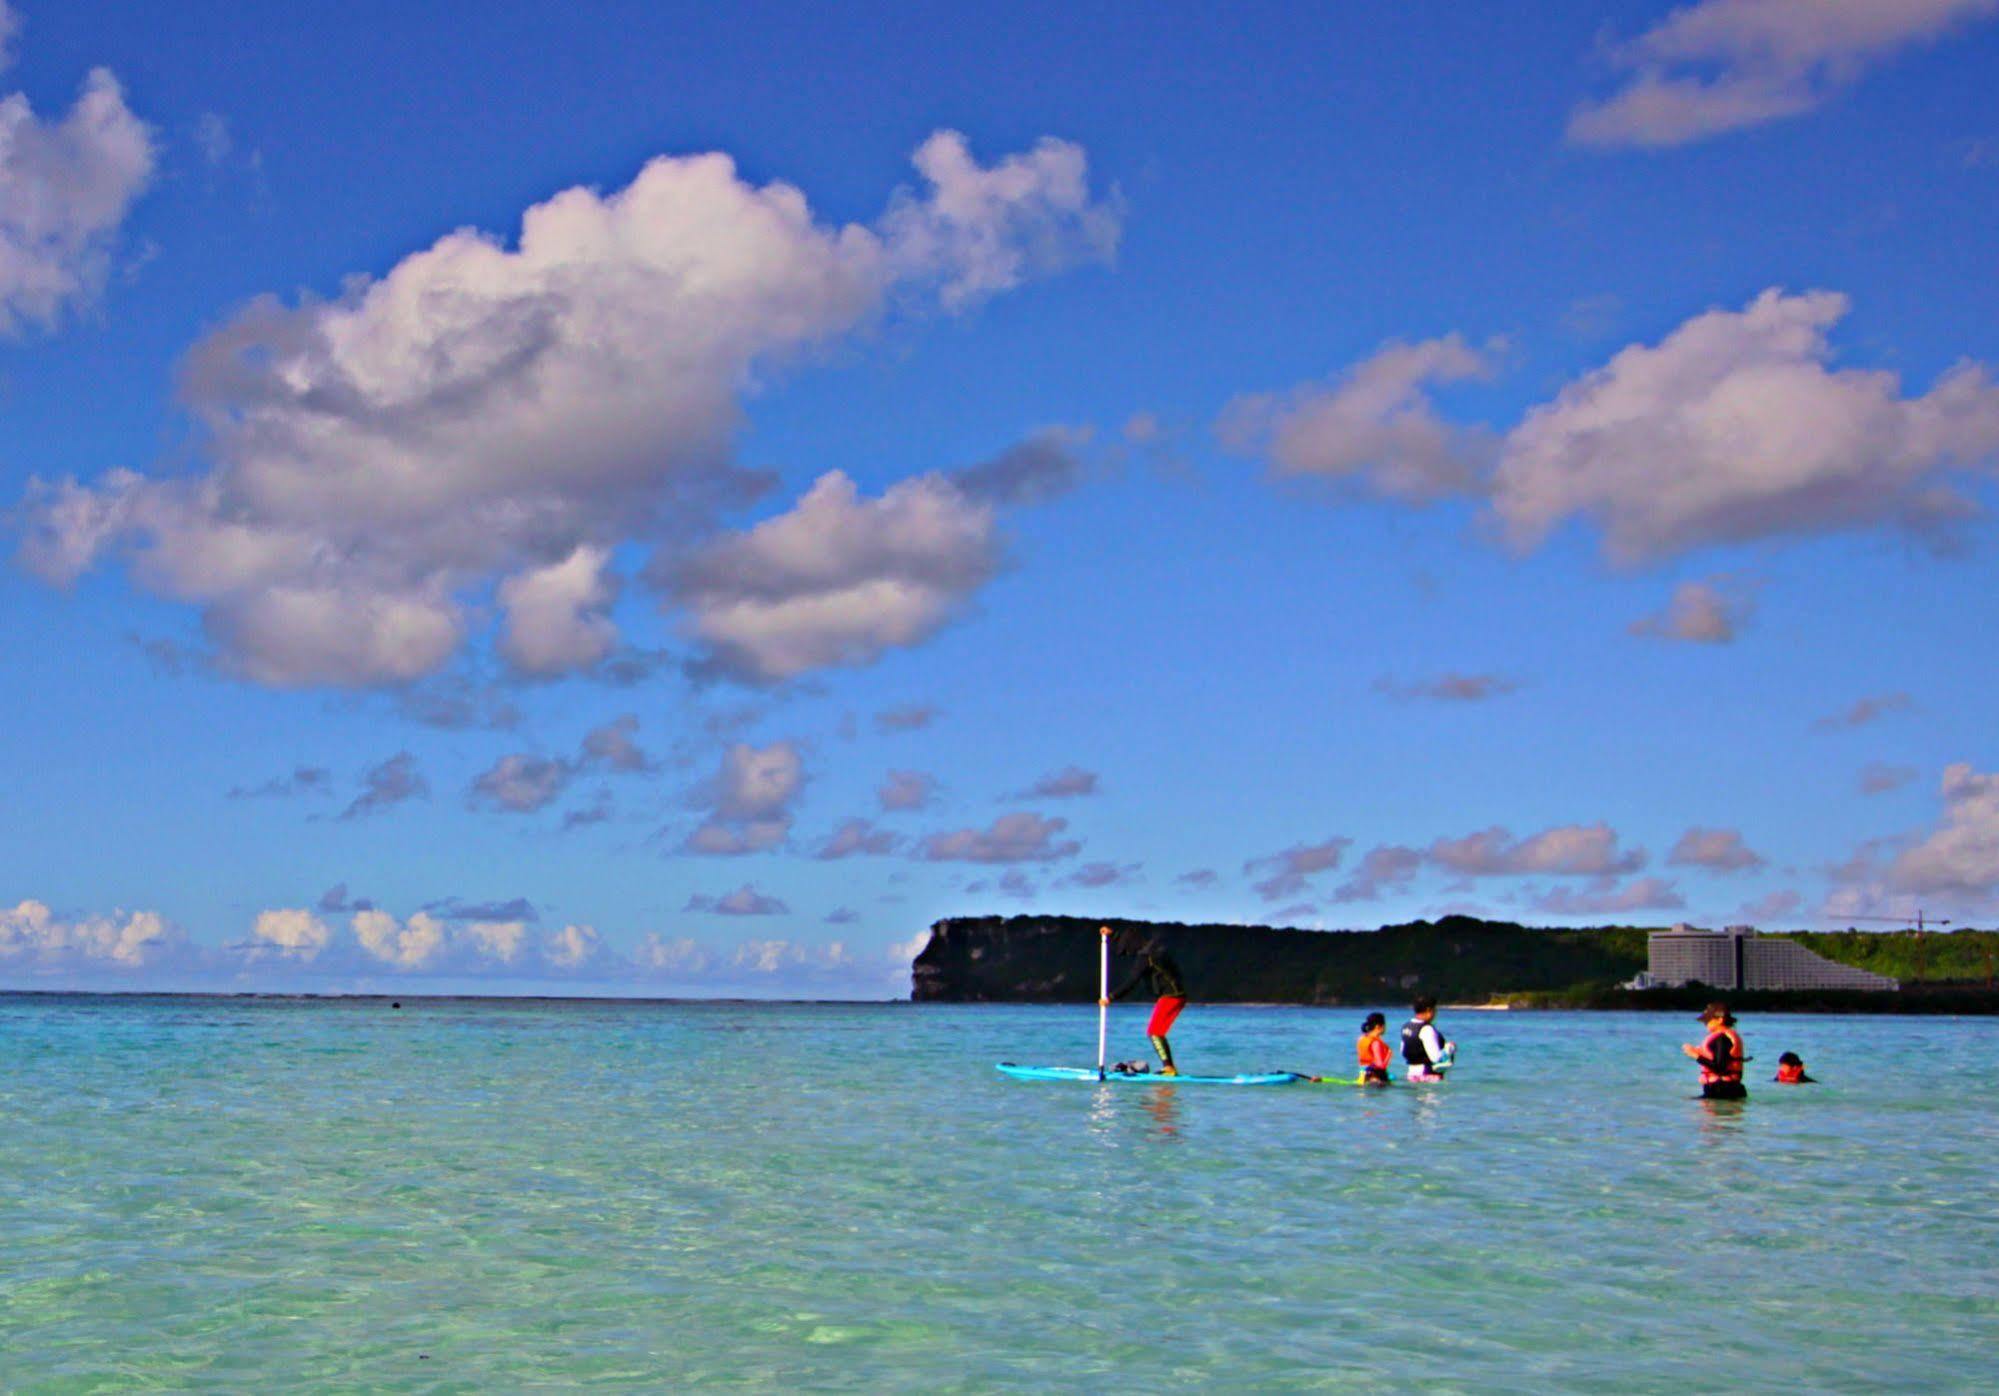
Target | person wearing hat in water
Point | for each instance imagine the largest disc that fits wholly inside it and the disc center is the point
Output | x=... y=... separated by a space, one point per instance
x=1719 y=1056
x=1791 y=1071
x=1158 y=969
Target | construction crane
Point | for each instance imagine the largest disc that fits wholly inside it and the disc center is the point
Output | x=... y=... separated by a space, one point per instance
x=1919 y=923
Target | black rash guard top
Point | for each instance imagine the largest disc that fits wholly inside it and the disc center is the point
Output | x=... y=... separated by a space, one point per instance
x=1158 y=967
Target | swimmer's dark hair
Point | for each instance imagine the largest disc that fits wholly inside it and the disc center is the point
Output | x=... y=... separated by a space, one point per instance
x=1790 y=1059
x=1373 y=1021
x=1423 y=1003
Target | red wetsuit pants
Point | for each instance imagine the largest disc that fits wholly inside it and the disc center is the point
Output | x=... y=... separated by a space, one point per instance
x=1163 y=1014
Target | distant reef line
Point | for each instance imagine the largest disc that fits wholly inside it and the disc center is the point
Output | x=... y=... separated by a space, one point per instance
x=1458 y=959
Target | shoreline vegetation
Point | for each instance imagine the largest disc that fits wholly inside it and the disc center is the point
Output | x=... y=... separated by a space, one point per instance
x=1460 y=960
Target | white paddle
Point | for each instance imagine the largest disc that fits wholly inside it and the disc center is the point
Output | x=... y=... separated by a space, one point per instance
x=1103 y=996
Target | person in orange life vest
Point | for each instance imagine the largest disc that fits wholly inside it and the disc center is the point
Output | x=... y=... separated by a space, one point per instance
x=1372 y=1050
x=1719 y=1056
x=1158 y=969
x=1791 y=1071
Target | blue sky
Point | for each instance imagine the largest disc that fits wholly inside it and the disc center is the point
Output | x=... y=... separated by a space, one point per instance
x=645 y=498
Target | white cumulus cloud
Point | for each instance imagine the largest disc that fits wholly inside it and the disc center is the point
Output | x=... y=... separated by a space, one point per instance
x=748 y=799
x=556 y=617
x=34 y=937
x=1700 y=613
x=1288 y=871
x=1734 y=428
x=744 y=901
x=486 y=411
x=1095 y=875
x=65 y=189
x=524 y=782
x=839 y=579
x=857 y=838
x=664 y=955
x=499 y=941
x=1718 y=850
x=1012 y=838
x=1723 y=65
x=1608 y=899
x=1567 y=850
x=1382 y=867
x=521 y=783
x=777 y=956
x=1033 y=471
x=1374 y=427
x=615 y=747
x=981 y=229
x=291 y=931
x=413 y=944
x=574 y=948
x=1961 y=855
x=1564 y=850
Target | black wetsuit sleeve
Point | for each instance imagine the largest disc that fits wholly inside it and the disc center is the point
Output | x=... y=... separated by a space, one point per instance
x=1157 y=968
x=1137 y=977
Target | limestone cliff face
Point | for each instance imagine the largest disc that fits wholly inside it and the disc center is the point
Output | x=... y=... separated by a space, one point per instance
x=1053 y=959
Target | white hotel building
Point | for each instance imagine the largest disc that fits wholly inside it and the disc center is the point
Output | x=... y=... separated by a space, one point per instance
x=1739 y=958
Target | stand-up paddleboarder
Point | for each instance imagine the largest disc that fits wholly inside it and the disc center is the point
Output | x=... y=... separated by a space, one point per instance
x=1157 y=969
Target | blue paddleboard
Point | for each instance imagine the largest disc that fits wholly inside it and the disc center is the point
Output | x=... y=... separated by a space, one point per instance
x=1154 y=1078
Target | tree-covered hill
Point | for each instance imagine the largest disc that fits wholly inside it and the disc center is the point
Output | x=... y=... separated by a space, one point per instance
x=1054 y=959
x=1964 y=957
x=1462 y=958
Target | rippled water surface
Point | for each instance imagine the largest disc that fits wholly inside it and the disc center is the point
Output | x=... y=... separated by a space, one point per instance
x=492 y=1196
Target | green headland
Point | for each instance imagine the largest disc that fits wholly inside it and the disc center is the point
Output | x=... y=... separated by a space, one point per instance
x=1458 y=959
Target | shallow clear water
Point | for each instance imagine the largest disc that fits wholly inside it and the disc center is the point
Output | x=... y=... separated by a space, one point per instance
x=487 y=1196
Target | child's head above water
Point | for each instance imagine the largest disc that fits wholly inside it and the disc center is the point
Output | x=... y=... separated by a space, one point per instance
x=1791 y=1059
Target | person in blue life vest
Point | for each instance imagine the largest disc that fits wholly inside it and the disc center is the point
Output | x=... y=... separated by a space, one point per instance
x=1425 y=1050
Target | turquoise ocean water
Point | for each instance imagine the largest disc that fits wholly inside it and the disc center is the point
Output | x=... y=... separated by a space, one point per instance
x=209 y=1194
